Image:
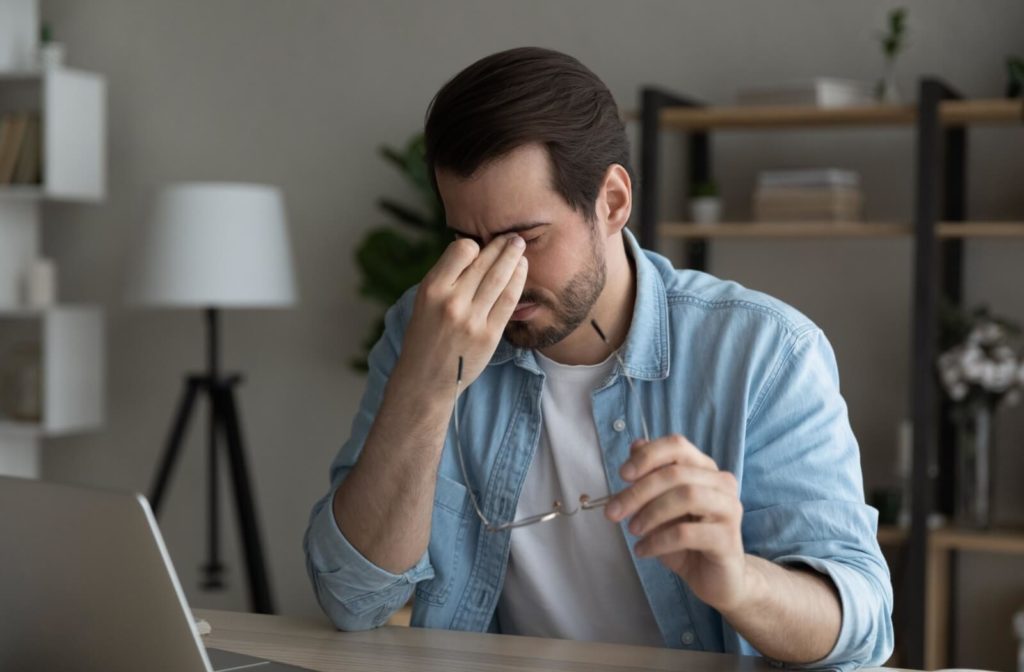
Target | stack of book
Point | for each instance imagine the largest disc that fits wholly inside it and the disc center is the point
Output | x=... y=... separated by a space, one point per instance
x=821 y=194
x=20 y=148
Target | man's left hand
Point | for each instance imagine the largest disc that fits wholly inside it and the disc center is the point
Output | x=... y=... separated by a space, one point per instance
x=687 y=513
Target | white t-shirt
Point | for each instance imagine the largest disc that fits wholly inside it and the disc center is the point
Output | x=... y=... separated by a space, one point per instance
x=572 y=577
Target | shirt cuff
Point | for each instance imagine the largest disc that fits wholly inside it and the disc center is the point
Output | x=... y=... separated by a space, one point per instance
x=858 y=612
x=351 y=578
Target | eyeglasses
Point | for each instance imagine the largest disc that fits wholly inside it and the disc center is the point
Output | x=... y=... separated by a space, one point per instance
x=559 y=509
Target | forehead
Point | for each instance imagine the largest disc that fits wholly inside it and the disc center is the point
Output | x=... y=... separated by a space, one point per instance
x=501 y=188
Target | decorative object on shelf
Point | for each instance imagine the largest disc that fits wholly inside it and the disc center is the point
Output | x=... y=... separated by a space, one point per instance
x=981 y=370
x=391 y=262
x=813 y=194
x=39 y=286
x=705 y=204
x=1014 y=77
x=828 y=92
x=21 y=382
x=214 y=246
x=894 y=41
x=51 y=54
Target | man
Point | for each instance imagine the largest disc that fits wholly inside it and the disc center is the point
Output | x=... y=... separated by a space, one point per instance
x=547 y=358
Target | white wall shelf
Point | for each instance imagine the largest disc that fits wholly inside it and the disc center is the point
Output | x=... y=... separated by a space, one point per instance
x=55 y=356
x=72 y=108
x=70 y=344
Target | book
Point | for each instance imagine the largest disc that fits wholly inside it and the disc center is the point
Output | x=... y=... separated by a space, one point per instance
x=808 y=177
x=14 y=135
x=817 y=92
x=28 y=167
x=808 y=204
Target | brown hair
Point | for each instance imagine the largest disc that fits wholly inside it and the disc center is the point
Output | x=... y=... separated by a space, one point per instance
x=523 y=96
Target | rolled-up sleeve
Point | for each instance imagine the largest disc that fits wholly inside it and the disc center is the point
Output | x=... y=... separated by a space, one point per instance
x=803 y=497
x=353 y=591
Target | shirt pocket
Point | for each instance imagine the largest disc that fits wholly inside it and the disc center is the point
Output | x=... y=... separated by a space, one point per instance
x=449 y=522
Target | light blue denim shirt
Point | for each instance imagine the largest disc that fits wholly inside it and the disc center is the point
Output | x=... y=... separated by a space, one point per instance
x=746 y=378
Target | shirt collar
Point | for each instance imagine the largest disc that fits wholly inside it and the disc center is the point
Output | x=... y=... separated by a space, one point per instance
x=645 y=352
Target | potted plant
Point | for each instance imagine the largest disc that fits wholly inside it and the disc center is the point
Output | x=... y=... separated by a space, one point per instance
x=894 y=41
x=981 y=370
x=391 y=260
x=705 y=205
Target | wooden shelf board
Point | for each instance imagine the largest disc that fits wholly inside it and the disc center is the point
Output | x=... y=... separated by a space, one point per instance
x=952 y=113
x=892 y=535
x=982 y=111
x=990 y=541
x=981 y=230
x=836 y=230
x=785 y=230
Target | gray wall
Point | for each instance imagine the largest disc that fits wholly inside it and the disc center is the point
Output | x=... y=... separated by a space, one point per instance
x=300 y=94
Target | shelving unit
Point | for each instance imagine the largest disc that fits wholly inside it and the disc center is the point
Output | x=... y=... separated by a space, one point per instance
x=940 y=120
x=71 y=105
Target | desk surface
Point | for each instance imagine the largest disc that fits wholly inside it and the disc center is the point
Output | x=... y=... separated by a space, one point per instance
x=315 y=644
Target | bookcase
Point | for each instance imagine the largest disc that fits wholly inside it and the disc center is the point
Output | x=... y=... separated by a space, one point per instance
x=59 y=349
x=940 y=121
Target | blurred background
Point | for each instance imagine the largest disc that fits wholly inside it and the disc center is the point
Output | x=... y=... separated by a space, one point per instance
x=302 y=95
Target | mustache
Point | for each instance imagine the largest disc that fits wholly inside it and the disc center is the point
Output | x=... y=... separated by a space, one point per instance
x=529 y=296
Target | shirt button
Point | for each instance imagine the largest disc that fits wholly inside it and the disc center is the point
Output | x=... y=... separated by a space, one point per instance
x=687 y=638
x=619 y=425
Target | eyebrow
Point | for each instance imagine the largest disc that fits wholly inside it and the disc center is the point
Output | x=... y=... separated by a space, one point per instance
x=515 y=228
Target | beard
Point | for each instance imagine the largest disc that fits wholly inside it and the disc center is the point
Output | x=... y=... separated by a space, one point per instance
x=572 y=305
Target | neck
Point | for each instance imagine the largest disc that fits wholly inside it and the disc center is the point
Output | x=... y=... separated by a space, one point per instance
x=613 y=312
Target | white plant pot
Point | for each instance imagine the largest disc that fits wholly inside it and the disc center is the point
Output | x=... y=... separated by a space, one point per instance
x=706 y=210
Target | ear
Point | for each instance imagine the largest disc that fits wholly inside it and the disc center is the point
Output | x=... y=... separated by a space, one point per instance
x=615 y=200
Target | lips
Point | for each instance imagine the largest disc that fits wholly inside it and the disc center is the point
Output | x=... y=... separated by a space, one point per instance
x=524 y=309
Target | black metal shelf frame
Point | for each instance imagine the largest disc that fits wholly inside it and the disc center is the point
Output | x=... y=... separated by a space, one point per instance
x=940 y=188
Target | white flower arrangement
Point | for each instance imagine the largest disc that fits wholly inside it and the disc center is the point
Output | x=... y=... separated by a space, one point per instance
x=986 y=364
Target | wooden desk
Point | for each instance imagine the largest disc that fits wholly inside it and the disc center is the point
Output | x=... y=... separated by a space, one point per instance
x=313 y=643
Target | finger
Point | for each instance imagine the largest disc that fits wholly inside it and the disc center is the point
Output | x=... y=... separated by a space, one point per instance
x=656 y=454
x=707 y=537
x=456 y=258
x=632 y=499
x=470 y=279
x=700 y=501
x=503 y=308
x=498 y=275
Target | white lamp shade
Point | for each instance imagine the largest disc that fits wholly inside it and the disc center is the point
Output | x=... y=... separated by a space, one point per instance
x=218 y=245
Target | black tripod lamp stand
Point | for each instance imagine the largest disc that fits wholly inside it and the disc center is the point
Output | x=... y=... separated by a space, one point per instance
x=213 y=246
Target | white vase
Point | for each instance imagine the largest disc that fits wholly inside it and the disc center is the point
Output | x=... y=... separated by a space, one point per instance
x=706 y=210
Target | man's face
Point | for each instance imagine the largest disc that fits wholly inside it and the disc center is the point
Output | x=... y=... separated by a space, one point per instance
x=565 y=252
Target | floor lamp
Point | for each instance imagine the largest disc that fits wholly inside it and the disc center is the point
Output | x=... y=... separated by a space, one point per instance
x=212 y=246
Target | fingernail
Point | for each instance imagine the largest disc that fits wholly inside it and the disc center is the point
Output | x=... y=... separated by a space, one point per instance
x=628 y=471
x=517 y=241
x=522 y=261
x=614 y=509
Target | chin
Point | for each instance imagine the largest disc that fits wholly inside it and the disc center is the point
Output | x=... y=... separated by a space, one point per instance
x=523 y=335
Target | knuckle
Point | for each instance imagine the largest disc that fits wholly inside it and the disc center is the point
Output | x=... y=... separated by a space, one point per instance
x=686 y=493
x=465 y=247
x=730 y=480
x=675 y=472
x=452 y=310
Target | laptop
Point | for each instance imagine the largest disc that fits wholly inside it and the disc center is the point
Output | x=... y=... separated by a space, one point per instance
x=86 y=584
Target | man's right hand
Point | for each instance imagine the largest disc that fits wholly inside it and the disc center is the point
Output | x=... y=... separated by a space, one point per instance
x=461 y=309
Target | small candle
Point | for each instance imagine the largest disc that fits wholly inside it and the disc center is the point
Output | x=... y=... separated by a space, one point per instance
x=41 y=284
